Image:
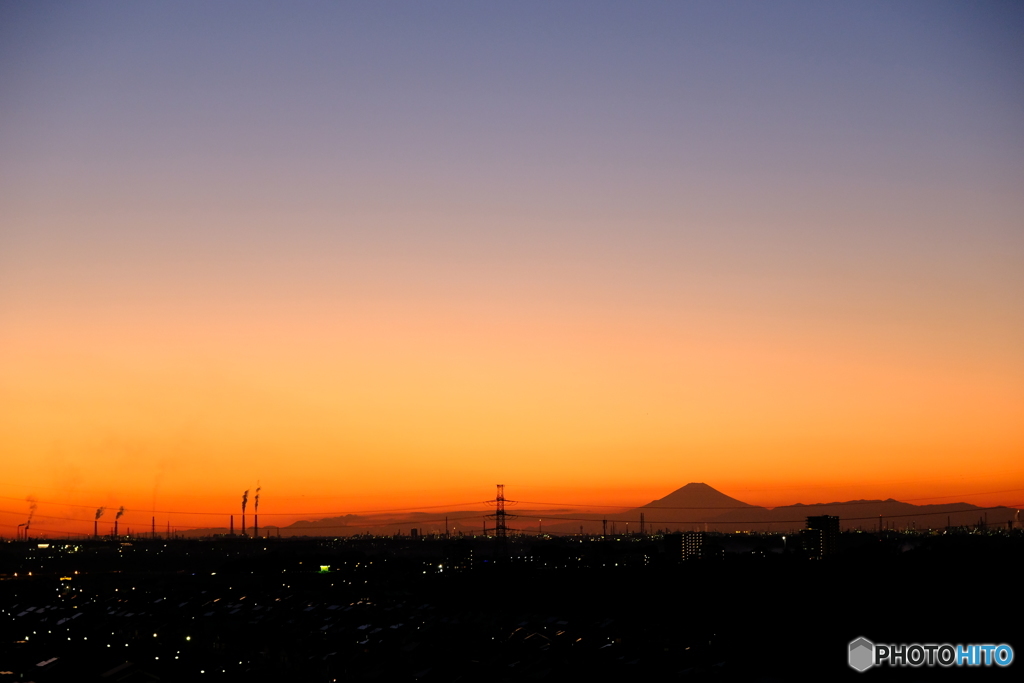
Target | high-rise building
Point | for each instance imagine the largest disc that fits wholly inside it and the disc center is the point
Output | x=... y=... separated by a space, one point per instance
x=821 y=537
x=693 y=545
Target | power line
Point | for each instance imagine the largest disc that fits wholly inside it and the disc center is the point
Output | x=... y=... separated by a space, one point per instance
x=651 y=506
x=801 y=520
x=588 y=519
x=275 y=514
x=801 y=507
x=304 y=526
x=62 y=532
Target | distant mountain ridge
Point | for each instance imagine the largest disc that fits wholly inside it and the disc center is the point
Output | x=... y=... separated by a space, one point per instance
x=695 y=506
x=698 y=506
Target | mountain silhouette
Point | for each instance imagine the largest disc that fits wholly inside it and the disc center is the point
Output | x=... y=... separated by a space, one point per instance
x=697 y=496
x=695 y=506
x=687 y=508
x=698 y=506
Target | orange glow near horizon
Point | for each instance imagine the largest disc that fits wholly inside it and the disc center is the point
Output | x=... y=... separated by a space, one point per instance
x=392 y=405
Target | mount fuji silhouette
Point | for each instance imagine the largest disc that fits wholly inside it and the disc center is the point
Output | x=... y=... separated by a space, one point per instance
x=697 y=496
x=698 y=506
x=694 y=507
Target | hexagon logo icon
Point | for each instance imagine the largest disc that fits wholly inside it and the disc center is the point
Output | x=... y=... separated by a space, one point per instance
x=862 y=654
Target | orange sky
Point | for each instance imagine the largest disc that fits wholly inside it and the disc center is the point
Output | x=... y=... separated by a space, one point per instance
x=375 y=258
x=386 y=403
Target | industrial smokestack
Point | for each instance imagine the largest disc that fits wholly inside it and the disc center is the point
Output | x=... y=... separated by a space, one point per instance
x=96 y=521
x=152 y=529
x=120 y=512
x=245 y=501
x=232 y=525
x=32 y=505
x=256 y=513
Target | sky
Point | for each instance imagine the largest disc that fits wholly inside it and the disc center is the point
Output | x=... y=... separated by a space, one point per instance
x=382 y=255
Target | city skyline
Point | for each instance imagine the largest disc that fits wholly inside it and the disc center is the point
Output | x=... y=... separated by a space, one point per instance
x=693 y=506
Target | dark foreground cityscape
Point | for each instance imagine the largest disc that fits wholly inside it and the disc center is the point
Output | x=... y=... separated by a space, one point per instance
x=662 y=606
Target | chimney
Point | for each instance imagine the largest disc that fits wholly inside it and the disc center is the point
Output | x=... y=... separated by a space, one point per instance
x=256 y=513
x=245 y=501
x=232 y=525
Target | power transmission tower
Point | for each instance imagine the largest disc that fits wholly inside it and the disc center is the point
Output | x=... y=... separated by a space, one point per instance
x=500 y=518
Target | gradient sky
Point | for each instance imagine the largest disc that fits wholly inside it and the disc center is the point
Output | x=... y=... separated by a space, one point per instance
x=389 y=254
